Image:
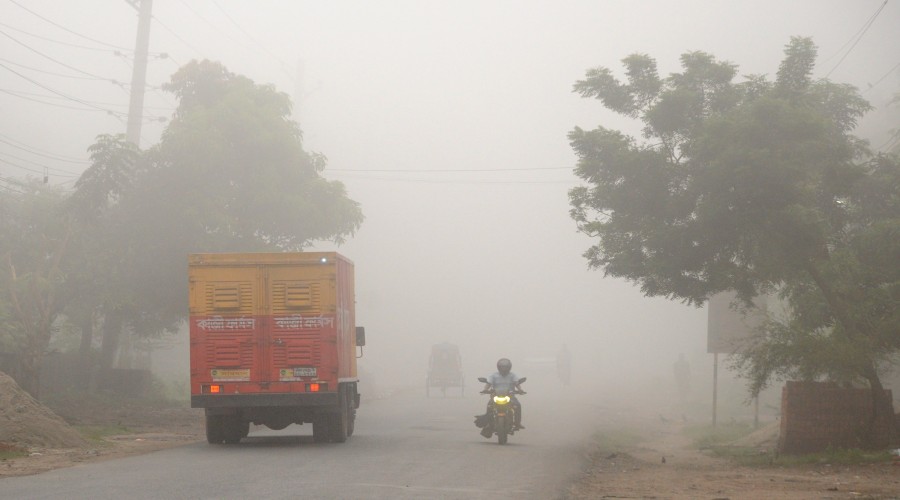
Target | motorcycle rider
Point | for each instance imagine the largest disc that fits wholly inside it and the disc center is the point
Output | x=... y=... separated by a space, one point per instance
x=505 y=380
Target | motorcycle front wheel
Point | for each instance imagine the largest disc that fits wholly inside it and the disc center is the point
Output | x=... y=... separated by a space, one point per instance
x=502 y=426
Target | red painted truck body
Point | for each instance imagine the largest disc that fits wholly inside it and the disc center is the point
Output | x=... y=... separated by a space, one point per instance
x=273 y=341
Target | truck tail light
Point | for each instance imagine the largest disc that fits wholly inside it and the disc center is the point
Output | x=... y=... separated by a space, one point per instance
x=316 y=387
x=211 y=389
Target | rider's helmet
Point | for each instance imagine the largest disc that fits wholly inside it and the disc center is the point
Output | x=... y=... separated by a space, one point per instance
x=504 y=366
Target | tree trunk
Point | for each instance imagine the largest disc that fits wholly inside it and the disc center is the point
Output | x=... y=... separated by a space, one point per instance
x=31 y=375
x=882 y=406
x=112 y=329
x=84 y=349
x=882 y=426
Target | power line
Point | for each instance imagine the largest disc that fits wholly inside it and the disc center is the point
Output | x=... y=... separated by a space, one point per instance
x=75 y=45
x=273 y=56
x=16 y=165
x=10 y=182
x=41 y=165
x=108 y=111
x=67 y=29
x=21 y=95
x=95 y=78
x=873 y=85
x=111 y=80
x=182 y=40
x=861 y=34
x=35 y=151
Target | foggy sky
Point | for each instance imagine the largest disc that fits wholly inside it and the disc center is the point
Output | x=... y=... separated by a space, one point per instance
x=404 y=98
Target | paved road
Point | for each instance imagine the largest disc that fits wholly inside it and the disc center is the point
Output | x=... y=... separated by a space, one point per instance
x=405 y=446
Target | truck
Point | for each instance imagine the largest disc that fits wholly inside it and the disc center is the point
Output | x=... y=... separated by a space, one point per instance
x=274 y=342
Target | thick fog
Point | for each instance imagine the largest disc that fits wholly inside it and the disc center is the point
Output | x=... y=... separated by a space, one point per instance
x=447 y=121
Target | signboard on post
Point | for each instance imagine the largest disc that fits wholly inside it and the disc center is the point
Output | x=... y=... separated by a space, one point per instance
x=728 y=329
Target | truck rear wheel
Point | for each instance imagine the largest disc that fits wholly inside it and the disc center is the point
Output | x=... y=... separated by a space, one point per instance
x=321 y=429
x=351 y=411
x=235 y=429
x=339 y=424
x=215 y=433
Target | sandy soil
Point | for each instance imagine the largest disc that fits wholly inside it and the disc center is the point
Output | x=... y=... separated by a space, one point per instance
x=143 y=431
x=669 y=466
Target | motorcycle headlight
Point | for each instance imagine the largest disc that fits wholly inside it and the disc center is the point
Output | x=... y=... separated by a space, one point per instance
x=501 y=400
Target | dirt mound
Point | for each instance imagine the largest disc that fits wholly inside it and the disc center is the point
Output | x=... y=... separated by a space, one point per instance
x=26 y=423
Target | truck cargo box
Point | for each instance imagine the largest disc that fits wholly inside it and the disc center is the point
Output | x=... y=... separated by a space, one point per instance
x=273 y=341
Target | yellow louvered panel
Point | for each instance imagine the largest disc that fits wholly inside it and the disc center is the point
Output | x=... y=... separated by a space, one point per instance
x=229 y=297
x=296 y=296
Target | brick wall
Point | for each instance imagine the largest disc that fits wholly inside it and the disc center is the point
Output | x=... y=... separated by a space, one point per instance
x=819 y=415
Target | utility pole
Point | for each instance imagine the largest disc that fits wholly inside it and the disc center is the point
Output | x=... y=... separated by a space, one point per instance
x=139 y=72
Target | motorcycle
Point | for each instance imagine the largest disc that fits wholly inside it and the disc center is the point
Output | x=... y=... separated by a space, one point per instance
x=501 y=415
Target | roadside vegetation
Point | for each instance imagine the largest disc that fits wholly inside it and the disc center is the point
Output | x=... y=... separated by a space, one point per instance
x=8 y=451
x=720 y=441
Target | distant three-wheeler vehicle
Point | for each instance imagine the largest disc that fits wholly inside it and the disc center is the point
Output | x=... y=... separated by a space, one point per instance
x=444 y=369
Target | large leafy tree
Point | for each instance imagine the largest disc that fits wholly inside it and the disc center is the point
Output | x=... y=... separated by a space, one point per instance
x=754 y=187
x=230 y=174
x=100 y=255
x=34 y=238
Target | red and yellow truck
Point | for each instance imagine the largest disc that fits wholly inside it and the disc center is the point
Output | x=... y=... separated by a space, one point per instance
x=274 y=341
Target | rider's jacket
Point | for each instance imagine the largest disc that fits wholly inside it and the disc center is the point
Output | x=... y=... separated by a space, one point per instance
x=503 y=383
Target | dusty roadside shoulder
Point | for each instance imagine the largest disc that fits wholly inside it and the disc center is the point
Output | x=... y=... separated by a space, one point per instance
x=668 y=465
x=142 y=431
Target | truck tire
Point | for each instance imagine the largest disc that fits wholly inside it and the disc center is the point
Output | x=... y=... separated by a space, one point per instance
x=235 y=429
x=321 y=429
x=214 y=429
x=339 y=423
x=351 y=412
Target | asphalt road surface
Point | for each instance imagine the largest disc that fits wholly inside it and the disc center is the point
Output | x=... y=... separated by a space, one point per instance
x=405 y=446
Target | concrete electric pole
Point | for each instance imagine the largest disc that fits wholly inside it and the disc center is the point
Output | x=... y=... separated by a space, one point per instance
x=139 y=72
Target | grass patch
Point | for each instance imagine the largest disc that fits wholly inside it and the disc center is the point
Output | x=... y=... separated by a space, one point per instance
x=836 y=457
x=755 y=458
x=98 y=432
x=707 y=436
x=8 y=451
x=718 y=441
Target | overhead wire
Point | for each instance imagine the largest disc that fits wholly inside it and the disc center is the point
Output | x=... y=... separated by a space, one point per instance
x=41 y=172
x=283 y=66
x=22 y=95
x=74 y=99
x=47 y=39
x=111 y=80
x=873 y=85
x=859 y=37
x=53 y=73
x=67 y=29
x=24 y=147
x=10 y=182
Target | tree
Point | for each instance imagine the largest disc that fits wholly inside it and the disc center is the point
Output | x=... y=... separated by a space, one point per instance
x=754 y=187
x=34 y=235
x=99 y=247
x=230 y=174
